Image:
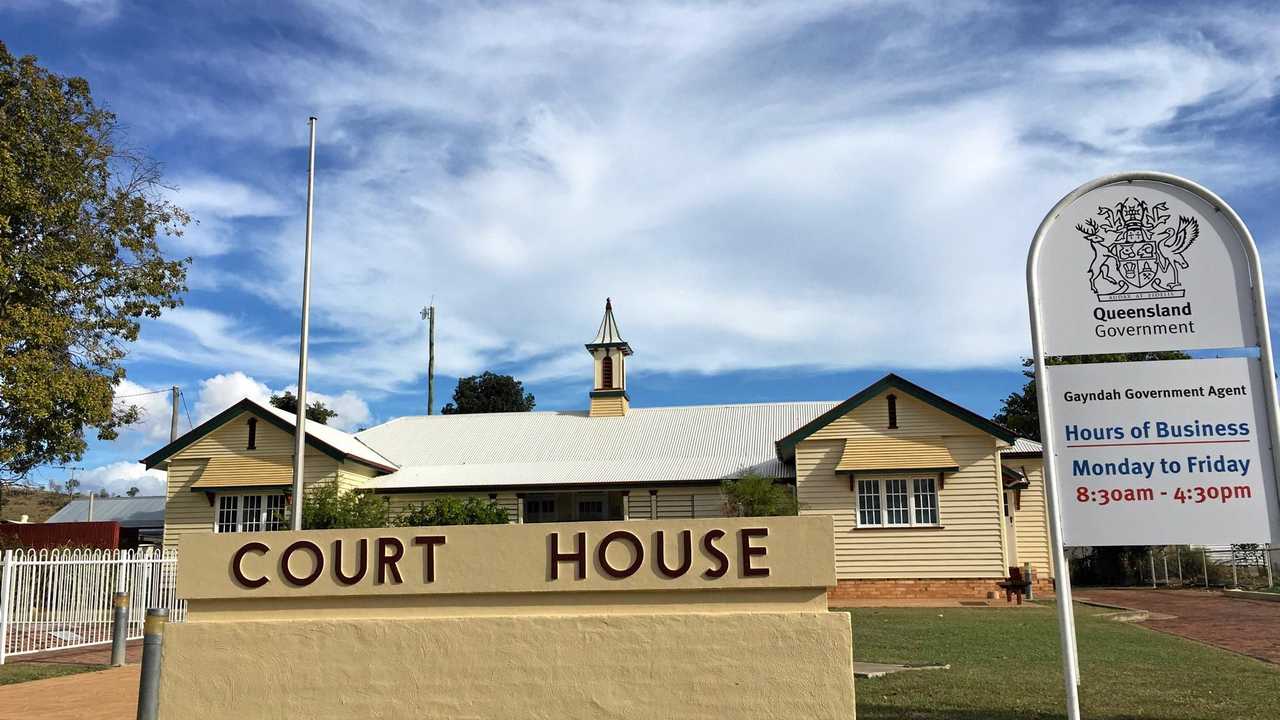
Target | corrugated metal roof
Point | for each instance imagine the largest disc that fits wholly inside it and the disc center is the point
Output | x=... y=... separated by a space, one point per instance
x=344 y=442
x=708 y=442
x=1024 y=445
x=131 y=512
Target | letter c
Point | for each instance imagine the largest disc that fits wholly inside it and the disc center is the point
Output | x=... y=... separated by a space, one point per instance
x=238 y=559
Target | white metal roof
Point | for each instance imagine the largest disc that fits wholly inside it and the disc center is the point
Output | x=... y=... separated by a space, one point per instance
x=1024 y=445
x=344 y=442
x=145 y=511
x=708 y=442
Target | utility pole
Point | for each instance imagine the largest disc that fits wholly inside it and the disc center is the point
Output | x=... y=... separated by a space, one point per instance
x=173 y=416
x=429 y=314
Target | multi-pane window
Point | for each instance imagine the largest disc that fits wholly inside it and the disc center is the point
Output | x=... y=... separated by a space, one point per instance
x=869 y=502
x=897 y=502
x=924 y=491
x=250 y=513
x=228 y=514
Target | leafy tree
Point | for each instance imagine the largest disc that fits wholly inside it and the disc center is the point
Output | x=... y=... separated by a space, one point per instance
x=757 y=496
x=80 y=264
x=488 y=393
x=103 y=493
x=450 y=510
x=133 y=492
x=316 y=411
x=328 y=507
x=72 y=486
x=1019 y=411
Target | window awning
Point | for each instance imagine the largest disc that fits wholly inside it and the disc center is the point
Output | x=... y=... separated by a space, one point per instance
x=896 y=454
x=240 y=471
x=1013 y=479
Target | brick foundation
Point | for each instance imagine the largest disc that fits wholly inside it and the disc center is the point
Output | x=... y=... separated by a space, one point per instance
x=926 y=589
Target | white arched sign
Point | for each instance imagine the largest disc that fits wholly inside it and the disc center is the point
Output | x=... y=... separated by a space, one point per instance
x=1159 y=451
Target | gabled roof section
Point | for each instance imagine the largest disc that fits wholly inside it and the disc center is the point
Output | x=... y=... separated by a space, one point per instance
x=145 y=511
x=786 y=447
x=706 y=443
x=1024 y=448
x=330 y=441
x=608 y=335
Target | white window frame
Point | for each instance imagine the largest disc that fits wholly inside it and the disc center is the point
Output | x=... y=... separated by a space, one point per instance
x=882 y=496
x=249 y=519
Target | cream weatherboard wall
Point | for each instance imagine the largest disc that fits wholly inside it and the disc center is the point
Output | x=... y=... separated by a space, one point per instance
x=970 y=539
x=1031 y=517
x=683 y=501
x=224 y=457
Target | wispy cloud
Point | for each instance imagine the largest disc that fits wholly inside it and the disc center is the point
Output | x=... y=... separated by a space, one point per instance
x=835 y=185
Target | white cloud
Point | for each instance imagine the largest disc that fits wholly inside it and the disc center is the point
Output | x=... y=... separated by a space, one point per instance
x=213 y=202
x=222 y=391
x=91 y=12
x=353 y=411
x=756 y=185
x=154 y=409
x=212 y=339
x=118 y=477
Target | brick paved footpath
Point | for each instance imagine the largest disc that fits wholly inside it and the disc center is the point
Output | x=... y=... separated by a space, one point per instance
x=1249 y=627
x=100 y=695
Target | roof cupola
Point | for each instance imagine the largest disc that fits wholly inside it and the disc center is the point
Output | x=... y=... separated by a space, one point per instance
x=608 y=353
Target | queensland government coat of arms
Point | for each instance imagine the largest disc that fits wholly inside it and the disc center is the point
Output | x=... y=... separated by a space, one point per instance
x=1137 y=255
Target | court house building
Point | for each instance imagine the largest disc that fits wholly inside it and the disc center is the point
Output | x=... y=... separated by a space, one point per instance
x=929 y=499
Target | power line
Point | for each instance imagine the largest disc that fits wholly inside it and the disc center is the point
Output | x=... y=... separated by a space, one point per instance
x=183 y=396
x=149 y=392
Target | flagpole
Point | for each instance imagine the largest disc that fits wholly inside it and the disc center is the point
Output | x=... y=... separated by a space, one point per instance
x=300 y=433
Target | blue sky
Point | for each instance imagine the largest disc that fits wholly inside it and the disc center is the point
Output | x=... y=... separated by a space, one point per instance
x=784 y=200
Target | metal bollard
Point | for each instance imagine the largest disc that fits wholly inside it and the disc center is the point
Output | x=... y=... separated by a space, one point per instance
x=119 y=627
x=152 y=649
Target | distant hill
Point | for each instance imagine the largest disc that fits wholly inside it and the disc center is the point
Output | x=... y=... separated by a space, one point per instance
x=37 y=504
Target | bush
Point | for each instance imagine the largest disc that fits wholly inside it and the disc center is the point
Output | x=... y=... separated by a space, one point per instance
x=758 y=496
x=450 y=510
x=327 y=507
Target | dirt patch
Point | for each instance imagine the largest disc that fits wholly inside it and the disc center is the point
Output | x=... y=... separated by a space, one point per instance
x=1248 y=627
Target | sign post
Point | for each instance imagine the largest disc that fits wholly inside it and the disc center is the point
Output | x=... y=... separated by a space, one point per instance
x=1155 y=451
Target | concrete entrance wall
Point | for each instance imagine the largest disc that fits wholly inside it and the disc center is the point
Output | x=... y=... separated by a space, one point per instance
x=640 y=619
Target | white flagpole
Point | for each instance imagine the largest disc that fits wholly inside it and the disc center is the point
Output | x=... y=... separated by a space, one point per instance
x=300 y=431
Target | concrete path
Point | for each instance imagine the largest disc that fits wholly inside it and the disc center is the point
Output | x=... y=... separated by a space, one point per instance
x=101 y=695
x=1249 y=627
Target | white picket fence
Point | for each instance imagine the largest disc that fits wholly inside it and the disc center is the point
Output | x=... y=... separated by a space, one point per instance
x=60 y=599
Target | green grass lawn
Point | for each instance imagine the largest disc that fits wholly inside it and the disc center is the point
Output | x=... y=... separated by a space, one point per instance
x=1005 y=665
x=16 y=672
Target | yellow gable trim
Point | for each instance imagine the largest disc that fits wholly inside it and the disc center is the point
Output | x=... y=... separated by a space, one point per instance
x=242 y=471
x=900 y=453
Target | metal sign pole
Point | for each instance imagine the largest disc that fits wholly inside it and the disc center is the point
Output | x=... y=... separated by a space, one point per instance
x=1062 y=575
x=1072 y=342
